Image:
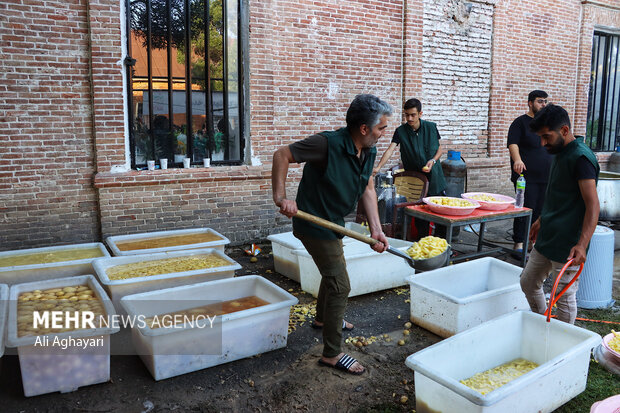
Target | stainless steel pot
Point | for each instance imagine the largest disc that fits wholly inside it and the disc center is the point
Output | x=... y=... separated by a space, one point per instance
x=608 y=190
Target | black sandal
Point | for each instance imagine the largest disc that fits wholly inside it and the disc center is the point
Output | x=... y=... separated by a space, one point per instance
x=344 y=326
x=343 y=364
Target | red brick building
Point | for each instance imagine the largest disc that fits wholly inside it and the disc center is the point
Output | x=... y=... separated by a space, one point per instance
x=68 y=156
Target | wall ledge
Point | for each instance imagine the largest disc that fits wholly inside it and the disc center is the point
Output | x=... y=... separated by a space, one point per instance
x=181 y=176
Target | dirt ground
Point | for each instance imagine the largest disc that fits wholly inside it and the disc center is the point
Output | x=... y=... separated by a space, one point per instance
x=284 y=380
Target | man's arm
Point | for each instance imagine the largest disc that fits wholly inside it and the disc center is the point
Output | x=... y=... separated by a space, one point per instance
x=587 y=187
x=282 y=158
x=386 y=157
x=431 y=162
x=518 y=165
x=369 y=202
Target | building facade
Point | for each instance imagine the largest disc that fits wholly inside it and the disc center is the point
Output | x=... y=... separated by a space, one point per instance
x=74 y=104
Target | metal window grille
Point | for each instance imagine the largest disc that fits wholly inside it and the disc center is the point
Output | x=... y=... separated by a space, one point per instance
x=185 y=81
x=603 y=123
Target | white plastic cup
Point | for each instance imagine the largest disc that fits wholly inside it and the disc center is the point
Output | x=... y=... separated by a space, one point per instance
x=163 y=162
x=185 y=162
x=150 y=165
x=206 y=162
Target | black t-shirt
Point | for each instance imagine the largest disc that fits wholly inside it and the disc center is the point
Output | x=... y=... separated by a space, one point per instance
x=535 y=157
x=313 y=149
x=584 y=169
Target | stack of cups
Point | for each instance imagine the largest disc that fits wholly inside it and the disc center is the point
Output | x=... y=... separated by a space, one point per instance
x=206 y=162
x=186 y=163
x=163 y=162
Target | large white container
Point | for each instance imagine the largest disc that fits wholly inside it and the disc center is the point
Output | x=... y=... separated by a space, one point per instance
x=169 y=352
x=561 y=375
x=4 y=302
x=48 y=366
x=452 y=299
x=120 y=288
x=38 y=272
x=369 y=271
x=283 y=245
x=117 y=239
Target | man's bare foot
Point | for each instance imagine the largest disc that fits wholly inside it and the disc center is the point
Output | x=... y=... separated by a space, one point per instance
x=343 y=362
x=346 y=326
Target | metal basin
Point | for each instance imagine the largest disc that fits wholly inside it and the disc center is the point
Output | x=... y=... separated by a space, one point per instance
x=608 y=189
x=432 y=263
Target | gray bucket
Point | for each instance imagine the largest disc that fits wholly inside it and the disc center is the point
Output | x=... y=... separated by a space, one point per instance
x=595 y=282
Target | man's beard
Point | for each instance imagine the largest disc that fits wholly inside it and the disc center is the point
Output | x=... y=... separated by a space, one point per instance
x=555 y=147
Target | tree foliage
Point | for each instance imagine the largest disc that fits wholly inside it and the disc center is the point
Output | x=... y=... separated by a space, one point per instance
x=161 y=25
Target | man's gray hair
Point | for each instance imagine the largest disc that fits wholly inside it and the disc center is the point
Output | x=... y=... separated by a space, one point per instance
x=366 y=110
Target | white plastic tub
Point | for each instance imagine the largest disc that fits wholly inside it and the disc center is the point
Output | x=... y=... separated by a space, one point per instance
x=38 y=272
x=169 y=352
x=369 y=271
x=561 y=375
x=452 y=299
x=116 y=240
x=120 y=288
x=283 y=245
x=46 y=366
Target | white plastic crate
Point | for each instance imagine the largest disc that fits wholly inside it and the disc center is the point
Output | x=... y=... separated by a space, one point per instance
x=38 y=272
x=369 y=271
x=169 y=352
x=283 y=245
x=561 y=375
x=47 y=367
x=452 y=299
x=117 y=239
x=363 y=264
x=120 y=288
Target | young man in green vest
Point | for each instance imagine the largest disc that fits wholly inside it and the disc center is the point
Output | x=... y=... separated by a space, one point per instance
x=420 y=151
x=569 y=214
x=337 y=173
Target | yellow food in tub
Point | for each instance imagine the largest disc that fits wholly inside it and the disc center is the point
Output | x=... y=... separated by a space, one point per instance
x=165 y=266
x=49 y=257
x=454 y=202
x=65 y=300
x=614 y=343
x=484 y=197
x=494 y=378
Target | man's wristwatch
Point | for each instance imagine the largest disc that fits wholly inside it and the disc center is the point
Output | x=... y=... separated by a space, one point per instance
x=434 y=161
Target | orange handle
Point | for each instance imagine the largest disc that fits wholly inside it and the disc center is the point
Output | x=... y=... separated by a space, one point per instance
x=553 y=299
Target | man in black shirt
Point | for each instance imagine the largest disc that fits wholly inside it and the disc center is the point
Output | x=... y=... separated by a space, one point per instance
x=528 y=157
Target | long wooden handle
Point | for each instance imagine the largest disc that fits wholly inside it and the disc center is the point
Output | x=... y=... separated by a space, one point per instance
x=335 y=227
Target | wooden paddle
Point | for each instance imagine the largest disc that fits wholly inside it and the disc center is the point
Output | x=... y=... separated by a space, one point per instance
x=350 y=233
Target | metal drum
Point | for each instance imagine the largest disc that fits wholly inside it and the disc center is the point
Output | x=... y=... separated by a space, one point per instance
x=595 y=283
x=608 y=189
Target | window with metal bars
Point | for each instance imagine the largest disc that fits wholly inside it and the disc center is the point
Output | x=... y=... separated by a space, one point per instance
x=603 y=125
x=185 y=87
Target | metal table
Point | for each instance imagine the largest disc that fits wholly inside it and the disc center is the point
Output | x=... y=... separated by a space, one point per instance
x=479 y=216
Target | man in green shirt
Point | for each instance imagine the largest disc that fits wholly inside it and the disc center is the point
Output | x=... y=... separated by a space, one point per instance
x=420 y=149
x=569 y=214
x=337 y=173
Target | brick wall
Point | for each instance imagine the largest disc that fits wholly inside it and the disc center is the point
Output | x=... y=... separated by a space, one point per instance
x=46 y=150
x=62 y=181
x=457 y=73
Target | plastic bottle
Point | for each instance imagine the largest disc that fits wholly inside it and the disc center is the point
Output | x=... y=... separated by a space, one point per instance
x=520 y=197
x=385 y=199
